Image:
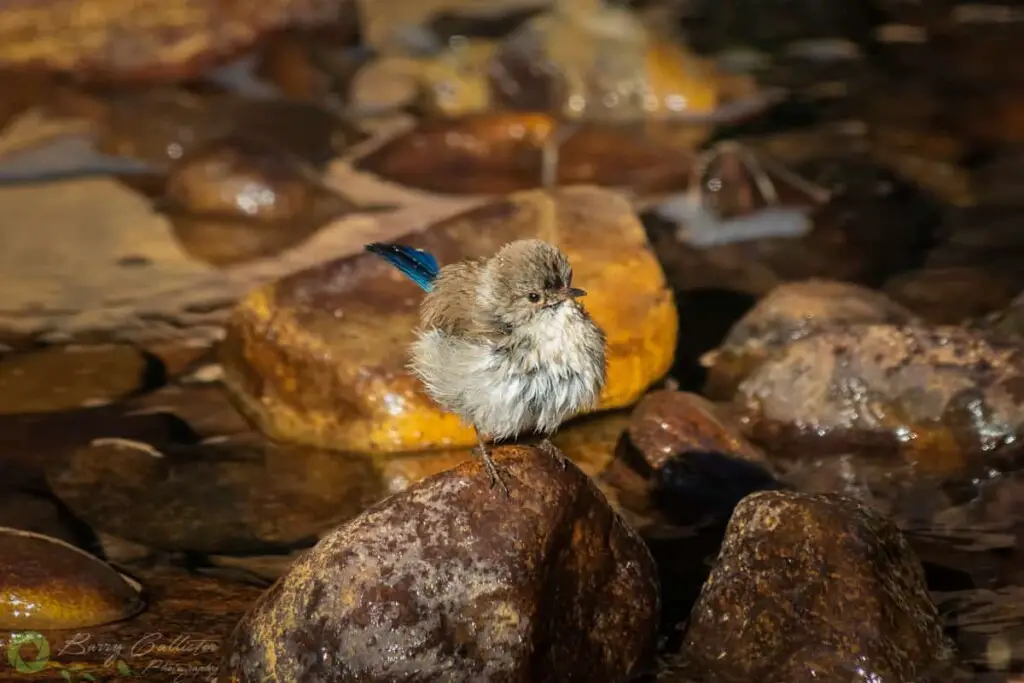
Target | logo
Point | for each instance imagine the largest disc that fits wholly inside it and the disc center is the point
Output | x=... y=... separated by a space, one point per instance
x=21 y=657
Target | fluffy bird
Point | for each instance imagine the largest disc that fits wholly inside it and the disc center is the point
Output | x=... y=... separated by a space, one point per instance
x=503 y=342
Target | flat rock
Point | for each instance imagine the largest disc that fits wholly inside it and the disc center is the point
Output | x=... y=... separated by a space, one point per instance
x=62 y=378
x=790 y=312
x=451 y=580
x=815 y=587
x=179 y=637
x=50 y=584
x=320 y=357
x=237 y=494
x=937 y=395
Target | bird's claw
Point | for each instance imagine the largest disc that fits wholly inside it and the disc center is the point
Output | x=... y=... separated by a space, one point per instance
x=552 y=450
x=493 y=471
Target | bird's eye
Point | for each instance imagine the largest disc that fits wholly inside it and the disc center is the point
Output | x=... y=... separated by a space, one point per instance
x=534 y=297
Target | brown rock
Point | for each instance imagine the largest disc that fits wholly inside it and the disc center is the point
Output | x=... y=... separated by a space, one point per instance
x=815 y=587
x=937 y=395
x=178 y=637
x=133 y=40
x=49 y=584
x=788 y=313
x=954 y=294
x=38 y=514
x=62 y=378
x=320 y=357
x=666 y=424
x=589 y=442
x=452 y=580
x=237 y=494
x=238 y=199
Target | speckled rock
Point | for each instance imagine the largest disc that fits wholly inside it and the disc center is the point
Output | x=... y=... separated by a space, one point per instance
x=321 y=357
x=451 y=580
x=236 y=494
x=937 y=395
x=815 y=587
x=788 y=313
x=49 y=584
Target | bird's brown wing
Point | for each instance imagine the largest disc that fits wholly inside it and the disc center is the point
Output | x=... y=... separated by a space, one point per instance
x=450 y=304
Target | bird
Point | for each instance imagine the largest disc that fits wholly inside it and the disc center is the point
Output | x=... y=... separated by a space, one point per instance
x=503 y=342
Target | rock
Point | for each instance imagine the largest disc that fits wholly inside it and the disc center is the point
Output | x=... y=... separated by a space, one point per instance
x=238 y=199
x=177 y=638
x=952 y=295
x=236 y=494
x=61 y=378
x=939 y=396
x=320 y=357
x=452 y=580
x=589 y=442
x=39 y=514
x=701 y=463
x=126 y=41
x=815 y=587
x=49 y=584
x=666 y=424
x=788 y=313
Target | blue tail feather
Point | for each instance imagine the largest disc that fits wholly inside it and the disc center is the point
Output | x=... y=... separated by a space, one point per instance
x=416 y=264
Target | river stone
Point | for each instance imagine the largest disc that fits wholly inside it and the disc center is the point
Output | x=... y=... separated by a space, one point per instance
x=63 y=378
x=452 y=580
x=815 y=587
x=938 y=395
x=236 y=494
x=790 y=312
x=320 y=357
x=50 y=584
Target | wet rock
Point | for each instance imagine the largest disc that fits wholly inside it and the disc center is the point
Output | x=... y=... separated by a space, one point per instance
x=160 y=125
x=939 y=396
x=589 y=442
x=38 y=514
x=951 y=295
x=835 y=593
x=237 y=494
x=494 y=153
x=668 y=423
x=190 y=412
x=450 y=579
x=320 y=357
x=49 y=584
x=790 y=312
x=178 y=637
x=1011 y=319
x=238 y=199
x=62 y=378
x=699 y=461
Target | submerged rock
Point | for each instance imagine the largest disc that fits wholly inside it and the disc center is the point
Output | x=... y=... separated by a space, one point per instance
x=451 y=580
x=50 y=584
x=238 y=494
x=938 y=395
x=790 y=312
x=815 y=587
x=320 y=357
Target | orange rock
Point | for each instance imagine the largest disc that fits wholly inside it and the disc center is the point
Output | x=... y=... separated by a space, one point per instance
x=319 y=357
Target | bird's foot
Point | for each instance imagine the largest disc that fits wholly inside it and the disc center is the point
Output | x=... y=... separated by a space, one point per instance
x=552 y=450
x=492 y=470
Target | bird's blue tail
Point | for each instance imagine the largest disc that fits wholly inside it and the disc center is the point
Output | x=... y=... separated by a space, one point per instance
x=418 y=265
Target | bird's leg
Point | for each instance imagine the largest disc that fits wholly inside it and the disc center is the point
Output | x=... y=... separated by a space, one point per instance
x=552 y=450
x=489 y=464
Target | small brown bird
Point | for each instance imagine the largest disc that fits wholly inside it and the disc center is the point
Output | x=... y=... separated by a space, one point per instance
x=503 y=342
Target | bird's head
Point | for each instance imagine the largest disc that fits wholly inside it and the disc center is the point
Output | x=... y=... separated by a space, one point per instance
x=525 y=280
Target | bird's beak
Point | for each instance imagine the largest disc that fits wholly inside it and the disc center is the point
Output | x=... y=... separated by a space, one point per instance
x=573 y=293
